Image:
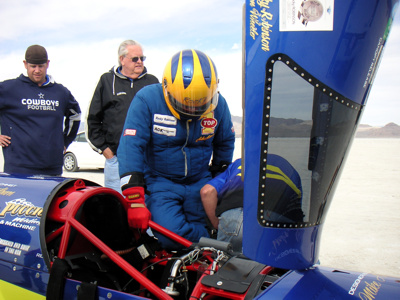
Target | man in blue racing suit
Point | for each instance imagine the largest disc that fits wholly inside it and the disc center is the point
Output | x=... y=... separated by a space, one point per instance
x=171 y=132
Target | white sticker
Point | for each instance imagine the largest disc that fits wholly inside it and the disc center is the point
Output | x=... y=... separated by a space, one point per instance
x=165 y=119
x=306 y=15
x=164 y=130
x=143 y=251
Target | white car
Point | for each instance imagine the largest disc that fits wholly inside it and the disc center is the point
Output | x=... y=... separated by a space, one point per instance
x=80 y=155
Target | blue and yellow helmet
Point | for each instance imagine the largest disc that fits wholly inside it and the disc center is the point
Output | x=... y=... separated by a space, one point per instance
x=190 y=84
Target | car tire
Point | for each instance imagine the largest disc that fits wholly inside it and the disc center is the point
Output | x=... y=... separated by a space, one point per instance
x=70 y=162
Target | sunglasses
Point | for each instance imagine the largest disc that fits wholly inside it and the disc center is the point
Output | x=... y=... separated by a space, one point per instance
x=136 y=58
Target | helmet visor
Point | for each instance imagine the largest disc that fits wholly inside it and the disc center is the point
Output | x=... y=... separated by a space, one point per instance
x=194 y=108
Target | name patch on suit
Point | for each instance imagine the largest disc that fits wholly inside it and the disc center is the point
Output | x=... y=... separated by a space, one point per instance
x=164 y=130
x=165 y=119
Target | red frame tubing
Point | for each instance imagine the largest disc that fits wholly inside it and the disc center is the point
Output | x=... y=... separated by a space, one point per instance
x=70 y=220
x=54 y=234
x=173 y=236
x=123 y=264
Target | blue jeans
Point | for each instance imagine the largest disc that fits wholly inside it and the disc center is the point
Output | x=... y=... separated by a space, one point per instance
x=111 y=174
x=230 y=228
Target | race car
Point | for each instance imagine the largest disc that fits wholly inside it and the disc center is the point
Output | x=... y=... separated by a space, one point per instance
x=308 y=69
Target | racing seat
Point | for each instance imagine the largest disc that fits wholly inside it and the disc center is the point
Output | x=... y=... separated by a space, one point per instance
x=98 y=209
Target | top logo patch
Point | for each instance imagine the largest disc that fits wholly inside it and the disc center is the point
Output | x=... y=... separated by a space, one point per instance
x=208 y=124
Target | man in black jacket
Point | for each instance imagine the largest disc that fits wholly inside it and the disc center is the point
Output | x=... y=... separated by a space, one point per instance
x=110 y=103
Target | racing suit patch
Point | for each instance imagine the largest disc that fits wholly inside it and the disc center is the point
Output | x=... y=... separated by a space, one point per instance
x=208 y=124
x=165 y=119
x=130 y=132
x=203 y=138
x=164 y=130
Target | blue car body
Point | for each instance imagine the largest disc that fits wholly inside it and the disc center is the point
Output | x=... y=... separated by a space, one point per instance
x=308 y=69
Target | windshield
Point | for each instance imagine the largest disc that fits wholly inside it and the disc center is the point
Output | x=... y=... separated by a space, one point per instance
x=309 y=126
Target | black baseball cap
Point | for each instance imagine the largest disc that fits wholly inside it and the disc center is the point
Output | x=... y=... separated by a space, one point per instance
x=36 y=54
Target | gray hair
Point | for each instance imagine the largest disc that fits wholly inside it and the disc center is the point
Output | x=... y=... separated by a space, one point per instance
x=122 y=51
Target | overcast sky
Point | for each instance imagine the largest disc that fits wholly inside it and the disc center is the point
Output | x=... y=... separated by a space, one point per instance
x=82 y=38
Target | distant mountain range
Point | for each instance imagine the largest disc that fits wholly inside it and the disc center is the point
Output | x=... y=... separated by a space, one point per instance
x=300 y=128
x=390 y=130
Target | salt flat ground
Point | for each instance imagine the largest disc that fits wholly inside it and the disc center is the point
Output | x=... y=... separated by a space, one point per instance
x=362 y=229
x=361 y=232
